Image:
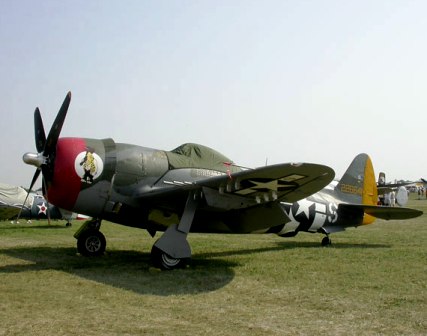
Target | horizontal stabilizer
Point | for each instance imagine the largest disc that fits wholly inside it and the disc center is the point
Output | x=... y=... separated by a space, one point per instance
x=382 y=212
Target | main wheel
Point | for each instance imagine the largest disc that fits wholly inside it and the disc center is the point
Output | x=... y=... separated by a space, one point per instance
x=164 y=261
x=91 y=243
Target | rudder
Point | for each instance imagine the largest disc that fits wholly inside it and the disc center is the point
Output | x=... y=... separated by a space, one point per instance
x=358 y=185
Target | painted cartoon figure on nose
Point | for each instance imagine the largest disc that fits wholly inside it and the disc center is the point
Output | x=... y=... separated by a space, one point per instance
x=89 y=166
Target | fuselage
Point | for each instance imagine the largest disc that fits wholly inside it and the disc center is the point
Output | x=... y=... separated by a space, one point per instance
x=312 y=213
x=321 y=212
x=123 y=183
x=137 y=186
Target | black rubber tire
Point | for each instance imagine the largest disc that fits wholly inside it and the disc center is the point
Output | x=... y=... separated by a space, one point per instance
x=91 y=243
x=326 y=241
x=164 y=261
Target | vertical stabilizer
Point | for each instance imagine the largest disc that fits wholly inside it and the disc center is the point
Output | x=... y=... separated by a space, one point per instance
x=358 y=185
x=381 y=179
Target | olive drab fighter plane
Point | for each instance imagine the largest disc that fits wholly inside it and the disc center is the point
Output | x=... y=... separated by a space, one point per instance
x=351 y=202
x=192 y=188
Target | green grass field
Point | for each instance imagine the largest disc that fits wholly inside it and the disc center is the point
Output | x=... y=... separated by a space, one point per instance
x=371 y=281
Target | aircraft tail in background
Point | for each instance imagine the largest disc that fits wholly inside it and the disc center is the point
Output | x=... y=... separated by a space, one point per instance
x=381 y=179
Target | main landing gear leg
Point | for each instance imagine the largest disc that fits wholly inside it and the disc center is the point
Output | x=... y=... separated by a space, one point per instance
x=172 y=250
x=90 y=241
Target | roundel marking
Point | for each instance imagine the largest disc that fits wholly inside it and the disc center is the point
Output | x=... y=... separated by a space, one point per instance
x=88 y=166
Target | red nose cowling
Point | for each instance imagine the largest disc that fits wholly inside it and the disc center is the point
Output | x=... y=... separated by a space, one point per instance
x=66 y=184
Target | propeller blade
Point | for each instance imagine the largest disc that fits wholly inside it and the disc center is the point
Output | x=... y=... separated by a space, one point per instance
x=39 y=131
x=35 y=177
x=33 y=181
x=47 y=199
x=52 y=138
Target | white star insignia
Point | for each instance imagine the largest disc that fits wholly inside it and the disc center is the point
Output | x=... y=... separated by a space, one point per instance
x=304 y=207
x=42 y=208
x=271 y=185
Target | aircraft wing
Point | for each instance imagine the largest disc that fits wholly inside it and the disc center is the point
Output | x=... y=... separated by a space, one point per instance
x=282 y=182
x=8 y=211
x=386 y=188
x=288 y=182
x=382 y=212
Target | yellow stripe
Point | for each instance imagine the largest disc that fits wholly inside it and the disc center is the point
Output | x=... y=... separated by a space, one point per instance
x=370 y=192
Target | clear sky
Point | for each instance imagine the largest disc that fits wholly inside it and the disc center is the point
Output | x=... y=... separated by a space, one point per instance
x=282 y=81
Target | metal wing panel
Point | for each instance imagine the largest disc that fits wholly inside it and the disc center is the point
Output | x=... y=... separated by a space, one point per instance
x=8 y=211
x=283 y=182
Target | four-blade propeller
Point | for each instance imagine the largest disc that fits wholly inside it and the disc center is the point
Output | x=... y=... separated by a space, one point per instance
x=44 y=159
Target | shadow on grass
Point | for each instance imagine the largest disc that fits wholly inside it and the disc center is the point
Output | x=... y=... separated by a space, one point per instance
x=33 y=226
x=128 y=270
x=131 y=270
x=283 y=246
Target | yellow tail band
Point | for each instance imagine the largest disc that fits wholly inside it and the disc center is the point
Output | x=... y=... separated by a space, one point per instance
x=370 y=192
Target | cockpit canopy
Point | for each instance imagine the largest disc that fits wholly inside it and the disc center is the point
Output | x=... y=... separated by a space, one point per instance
x=192 y=155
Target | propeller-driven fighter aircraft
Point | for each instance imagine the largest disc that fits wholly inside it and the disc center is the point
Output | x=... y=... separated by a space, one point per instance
x=385 y=191
x=351 y=202
x=192 y=188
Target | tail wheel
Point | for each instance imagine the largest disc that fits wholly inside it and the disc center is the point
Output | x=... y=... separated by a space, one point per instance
x=91 y=243
x=164 y=261
x=326 y=241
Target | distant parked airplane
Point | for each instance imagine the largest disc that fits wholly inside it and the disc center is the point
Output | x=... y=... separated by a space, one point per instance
x=12 y=200
x=385 y=189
